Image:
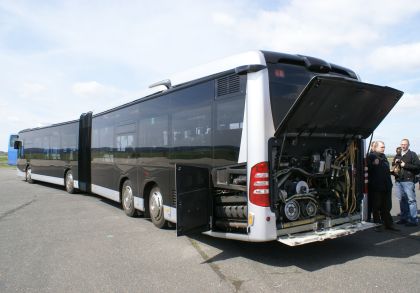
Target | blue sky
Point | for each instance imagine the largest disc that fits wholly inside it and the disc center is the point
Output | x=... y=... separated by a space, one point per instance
x=62 y=58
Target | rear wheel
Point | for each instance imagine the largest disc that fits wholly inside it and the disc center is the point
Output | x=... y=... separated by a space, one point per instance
x=28 y=175
x=156 y=208
x=69 y=182
x=127 y=199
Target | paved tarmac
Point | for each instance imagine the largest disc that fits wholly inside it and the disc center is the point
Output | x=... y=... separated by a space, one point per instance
x=51 y=241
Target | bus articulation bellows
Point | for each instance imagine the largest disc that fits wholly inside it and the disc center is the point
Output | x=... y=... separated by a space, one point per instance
x=257 y=147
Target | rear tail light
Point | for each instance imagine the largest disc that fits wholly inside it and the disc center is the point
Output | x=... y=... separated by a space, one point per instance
x=259 y=187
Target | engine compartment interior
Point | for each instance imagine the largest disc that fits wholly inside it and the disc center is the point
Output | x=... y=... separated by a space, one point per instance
x=314 y=178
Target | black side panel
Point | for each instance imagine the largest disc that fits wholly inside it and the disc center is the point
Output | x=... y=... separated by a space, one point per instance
x=85 y=131
x=193 y=199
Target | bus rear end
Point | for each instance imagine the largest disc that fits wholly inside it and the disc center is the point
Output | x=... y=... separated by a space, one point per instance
x=300 y=175
x=314 y=173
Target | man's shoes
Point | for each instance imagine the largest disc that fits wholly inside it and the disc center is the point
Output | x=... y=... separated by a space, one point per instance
x=401 y=222
x=409 y=224
x=392 y=228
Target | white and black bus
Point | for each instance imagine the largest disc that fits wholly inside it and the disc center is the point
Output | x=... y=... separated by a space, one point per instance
x=257 y=147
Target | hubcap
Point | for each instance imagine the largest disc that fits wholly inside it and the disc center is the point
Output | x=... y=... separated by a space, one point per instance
x=156 y=204
x=128 y=197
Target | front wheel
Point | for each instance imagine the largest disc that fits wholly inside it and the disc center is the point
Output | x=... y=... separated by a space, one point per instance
x=69 y=182
x=156 y=208
x=28 y=175
x=127 y=199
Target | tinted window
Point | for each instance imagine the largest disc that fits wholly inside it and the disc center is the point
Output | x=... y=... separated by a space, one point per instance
x=154 y=127
x=229 y=123
x=192 y=127
x=13 y=138
x=126 y=140
x=286 y=83
x=191 y=121
x=103 y=137
x=69 y=141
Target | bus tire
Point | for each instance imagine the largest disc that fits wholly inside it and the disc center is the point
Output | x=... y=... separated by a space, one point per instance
x=69 y=182
x=28 y=175
x=156 y=208
x=127 y=199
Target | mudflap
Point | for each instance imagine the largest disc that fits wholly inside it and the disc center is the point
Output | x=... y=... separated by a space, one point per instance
x=321 y=235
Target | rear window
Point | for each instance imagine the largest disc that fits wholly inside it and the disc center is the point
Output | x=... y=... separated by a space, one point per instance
x=286 y=83
x=13 y=138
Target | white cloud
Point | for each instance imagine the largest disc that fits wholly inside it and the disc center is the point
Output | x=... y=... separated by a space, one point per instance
x=399 y=57
x=31 y=89
x=223 y=19
x=408 y=103
x=92 y=89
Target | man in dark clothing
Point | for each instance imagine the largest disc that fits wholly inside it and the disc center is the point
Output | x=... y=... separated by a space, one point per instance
x=380 y=186
x=406 y=193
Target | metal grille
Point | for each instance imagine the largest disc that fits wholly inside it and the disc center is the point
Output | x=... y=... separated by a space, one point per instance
x=228 y=85
x=174 y=197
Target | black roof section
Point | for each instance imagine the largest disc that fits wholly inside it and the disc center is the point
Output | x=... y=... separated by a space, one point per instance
x=313 y=64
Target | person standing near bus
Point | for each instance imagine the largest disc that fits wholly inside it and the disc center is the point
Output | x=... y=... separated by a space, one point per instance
x=380 y=186
x=406 y=194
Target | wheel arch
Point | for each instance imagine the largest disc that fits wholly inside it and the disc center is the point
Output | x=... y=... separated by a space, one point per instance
x=146 y=193
x=123 y=179
x=66 y=170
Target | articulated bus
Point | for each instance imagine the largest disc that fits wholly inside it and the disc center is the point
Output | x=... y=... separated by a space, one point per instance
x=11 y=151
x=257 y=147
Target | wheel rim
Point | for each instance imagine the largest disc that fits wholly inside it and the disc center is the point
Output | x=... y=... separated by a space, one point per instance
x=69 y=181
x=128 y=197
x=156 y=207
x=28 y=174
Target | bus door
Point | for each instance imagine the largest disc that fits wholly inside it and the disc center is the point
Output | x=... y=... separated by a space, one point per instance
x=193 y=199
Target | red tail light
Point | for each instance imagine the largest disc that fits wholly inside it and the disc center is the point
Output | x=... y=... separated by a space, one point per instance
x=259 y=186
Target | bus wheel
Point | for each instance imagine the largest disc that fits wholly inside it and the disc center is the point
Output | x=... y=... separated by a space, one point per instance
x=127 y=199
x=28 y=175
x=156 y=207
x=69 y=182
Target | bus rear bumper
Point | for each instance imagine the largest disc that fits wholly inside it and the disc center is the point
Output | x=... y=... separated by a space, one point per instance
x=321 y=235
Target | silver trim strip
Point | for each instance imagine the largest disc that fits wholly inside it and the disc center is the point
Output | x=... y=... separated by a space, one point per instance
x=106 y=192
x=241 y=237
x=169 y=213
x=139 y=203
x=49 y=179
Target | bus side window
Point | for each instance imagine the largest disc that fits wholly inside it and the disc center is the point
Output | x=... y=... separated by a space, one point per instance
x=229 y=124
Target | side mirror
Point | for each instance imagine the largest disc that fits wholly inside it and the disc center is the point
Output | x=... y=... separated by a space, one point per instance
x=17 y=145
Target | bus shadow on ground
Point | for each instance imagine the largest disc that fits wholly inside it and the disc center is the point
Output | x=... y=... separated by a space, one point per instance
x=309 y=257
x=319 y=255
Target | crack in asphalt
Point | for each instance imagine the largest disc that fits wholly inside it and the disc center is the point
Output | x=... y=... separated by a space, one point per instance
x=235 y=283
x=7 y=213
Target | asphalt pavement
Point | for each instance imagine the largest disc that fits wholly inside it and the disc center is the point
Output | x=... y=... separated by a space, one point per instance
x=51 y=241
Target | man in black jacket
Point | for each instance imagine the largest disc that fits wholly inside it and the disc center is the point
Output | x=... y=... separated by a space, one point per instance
x=406 y=193
x=380 y=185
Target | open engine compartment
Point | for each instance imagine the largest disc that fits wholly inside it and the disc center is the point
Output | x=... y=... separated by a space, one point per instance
x=313 y=178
